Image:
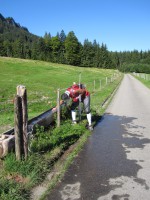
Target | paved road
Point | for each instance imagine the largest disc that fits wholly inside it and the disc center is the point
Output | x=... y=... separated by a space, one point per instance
x=115 y=162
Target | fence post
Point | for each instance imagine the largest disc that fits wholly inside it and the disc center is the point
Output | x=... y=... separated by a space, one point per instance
x=94 y=85
x=21 y=123
x=111 y=78
x=18 y=127
x=58 y=108
x=106 y=80
x=100 y=84
x=25 y=122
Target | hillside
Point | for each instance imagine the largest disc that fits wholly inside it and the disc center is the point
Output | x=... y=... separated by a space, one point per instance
x=9 y=22
x=16 y=41
x=42 y=79
x=11 y=31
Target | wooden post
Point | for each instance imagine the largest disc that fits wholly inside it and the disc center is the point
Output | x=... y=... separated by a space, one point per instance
x=58 y=108
x=110 y=79
x=25 y=122
x=106 y=80
x=21 y=123
x=94 y=85
x=18 y=127
x=100 y=84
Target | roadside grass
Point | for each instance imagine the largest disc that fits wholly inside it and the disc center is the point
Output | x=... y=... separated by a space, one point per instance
x=42 y=80
x=18 y=177
x=146 y=82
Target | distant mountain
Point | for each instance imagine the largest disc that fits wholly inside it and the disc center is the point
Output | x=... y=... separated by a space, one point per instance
x=9 y=23
x=15 y=40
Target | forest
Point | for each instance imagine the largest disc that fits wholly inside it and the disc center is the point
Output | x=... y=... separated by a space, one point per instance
x=16 y=41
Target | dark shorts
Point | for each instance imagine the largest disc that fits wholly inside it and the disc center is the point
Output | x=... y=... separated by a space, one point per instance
x=86 y=103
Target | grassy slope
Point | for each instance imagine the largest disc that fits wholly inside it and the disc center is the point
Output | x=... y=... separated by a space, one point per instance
x=41 y=79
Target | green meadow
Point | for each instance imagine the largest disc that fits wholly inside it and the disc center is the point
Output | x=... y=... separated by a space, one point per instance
x=42 y=79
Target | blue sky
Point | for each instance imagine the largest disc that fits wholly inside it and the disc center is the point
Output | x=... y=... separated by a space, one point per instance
x=120 y=24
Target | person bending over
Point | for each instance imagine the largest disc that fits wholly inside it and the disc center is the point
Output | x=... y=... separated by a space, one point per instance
x=78 y=93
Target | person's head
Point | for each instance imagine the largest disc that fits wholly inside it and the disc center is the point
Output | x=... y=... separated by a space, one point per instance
x=64 y=96
x=75 y=85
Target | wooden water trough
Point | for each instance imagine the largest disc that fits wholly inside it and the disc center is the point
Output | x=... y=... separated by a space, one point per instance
x=7 y=139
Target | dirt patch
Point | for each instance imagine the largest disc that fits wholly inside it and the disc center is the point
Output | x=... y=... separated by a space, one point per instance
x=17 y=178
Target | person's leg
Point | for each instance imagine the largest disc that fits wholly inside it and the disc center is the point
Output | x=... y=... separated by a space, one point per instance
x=73 y=115
x=73 y=112
x=86 y=103
x=89 y=119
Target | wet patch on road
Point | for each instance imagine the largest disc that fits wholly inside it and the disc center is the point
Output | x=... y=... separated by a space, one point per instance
x=108 y=166
x=133 y=142
x=71 y=191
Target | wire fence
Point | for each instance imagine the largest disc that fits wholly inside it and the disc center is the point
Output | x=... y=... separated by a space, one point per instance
x=142 y=75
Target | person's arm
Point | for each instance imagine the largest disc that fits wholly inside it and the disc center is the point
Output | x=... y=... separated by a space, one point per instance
x=81 y=91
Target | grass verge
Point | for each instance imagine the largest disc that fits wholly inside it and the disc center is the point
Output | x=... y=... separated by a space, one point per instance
x=146 y=82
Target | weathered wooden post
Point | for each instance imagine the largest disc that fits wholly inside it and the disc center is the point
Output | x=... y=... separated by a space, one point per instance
x=25 y=121
x=58 y=108
x=21 y=123
x=94 y=85
x=100 y=84
x=18 y=127
x=106 y=80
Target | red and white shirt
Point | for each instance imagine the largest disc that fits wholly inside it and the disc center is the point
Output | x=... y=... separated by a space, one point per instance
x=72 y=93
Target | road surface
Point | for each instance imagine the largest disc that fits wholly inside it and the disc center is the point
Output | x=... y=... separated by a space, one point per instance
x=115 y=162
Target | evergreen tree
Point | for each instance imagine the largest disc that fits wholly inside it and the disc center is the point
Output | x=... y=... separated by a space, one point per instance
x=8 y=48
x=41 y=49
x=17 y=49
x=72 y=49
x=62 y=37
x=48 y=46
x=55 y=44
x=34 y=51
x=88 y=53
x=96 y=56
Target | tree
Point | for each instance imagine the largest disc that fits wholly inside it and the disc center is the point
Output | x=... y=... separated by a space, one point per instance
x=72 y=49
x=41 y=49
x=7 y=48
x=55 y=44
x=87 y=54
x=62 y=37
x=18 y=49
x=48 y=46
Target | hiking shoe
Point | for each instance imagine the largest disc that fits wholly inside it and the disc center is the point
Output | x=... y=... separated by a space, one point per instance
x=90 y=128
